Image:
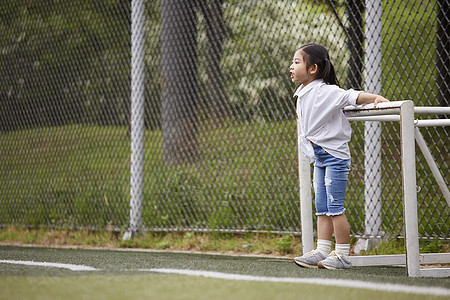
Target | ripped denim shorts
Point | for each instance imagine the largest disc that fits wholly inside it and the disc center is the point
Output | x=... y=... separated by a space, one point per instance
x=330 y=182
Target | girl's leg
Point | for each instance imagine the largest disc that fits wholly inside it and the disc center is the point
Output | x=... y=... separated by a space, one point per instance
x=341 y=229
x=324 y=222
x=336 y=183
x=324 y=234
x=325 y=226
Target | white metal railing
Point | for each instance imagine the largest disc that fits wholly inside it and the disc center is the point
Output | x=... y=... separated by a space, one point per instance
x=403 y=112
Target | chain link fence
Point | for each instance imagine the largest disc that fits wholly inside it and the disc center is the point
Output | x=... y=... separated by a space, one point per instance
x=220 y=149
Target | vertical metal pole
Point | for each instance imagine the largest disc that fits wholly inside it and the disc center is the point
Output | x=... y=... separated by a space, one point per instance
x=409 y=188
x=372 y=130
x=137 y=117
x=304 y=171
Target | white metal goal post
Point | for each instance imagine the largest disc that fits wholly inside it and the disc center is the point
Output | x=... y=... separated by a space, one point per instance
x=403 y=112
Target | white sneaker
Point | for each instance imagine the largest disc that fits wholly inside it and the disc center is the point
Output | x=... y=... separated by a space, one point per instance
x=335 y=261
x=310 y=259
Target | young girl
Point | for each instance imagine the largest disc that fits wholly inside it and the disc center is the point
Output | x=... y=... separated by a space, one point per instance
x=324 y=139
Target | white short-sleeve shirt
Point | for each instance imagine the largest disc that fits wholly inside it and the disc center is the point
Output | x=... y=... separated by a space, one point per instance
x=322 y=120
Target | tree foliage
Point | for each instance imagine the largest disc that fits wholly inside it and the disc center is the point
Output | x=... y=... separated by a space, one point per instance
x=63 y=63
x=69 y=62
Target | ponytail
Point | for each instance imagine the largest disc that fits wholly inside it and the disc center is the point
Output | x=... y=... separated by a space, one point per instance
x=329 y=75
x=318 y=54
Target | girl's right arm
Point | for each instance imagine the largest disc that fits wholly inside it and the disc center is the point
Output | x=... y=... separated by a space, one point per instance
x=364 y=98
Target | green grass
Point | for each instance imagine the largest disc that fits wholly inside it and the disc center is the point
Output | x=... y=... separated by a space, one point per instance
x=66 y=176
x=409 y=33
x=249 y=243
x=78 y=176
x=245 y=179
x=268 y=244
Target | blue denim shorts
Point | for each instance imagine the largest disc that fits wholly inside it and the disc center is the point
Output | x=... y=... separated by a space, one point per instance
x=330 y=182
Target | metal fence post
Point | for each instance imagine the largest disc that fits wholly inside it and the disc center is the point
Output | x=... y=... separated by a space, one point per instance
x=409 y=188
x=137 y=117
x=306 y=219
x=372 y=129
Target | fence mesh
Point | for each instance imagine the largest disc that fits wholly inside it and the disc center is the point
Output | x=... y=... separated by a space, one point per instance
x=220 y=147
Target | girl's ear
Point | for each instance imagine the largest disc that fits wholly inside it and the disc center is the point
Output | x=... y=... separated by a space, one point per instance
x=313 y=69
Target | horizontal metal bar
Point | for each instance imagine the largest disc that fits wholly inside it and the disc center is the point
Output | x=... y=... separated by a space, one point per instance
x=393 y=118
x=382 y=112
x=393 y=107
x=398 y=259
x=382 y=105
x=387 y=118
x=382 y=108
x=435 y=272
x=434 y=258
x=432 y=123
x=439 y=110
x=378 y=260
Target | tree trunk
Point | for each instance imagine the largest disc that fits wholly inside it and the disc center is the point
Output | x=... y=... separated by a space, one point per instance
x=215 y=34
x=355 y=39
x=179 y=81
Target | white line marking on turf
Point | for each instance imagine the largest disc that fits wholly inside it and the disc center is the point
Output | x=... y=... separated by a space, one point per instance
x=386 y=287
x=49 y=264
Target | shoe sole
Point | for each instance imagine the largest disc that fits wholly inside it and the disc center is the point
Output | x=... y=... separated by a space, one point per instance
x=303 y=265
x=322 y=266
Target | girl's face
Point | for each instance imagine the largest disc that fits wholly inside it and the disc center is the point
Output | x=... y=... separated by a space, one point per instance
x=300 y=73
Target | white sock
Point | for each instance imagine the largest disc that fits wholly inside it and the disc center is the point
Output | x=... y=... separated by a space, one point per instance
x=343 y=249
x=324 y=247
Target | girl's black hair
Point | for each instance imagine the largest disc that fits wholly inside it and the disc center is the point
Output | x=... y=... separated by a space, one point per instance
x=318 y=54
